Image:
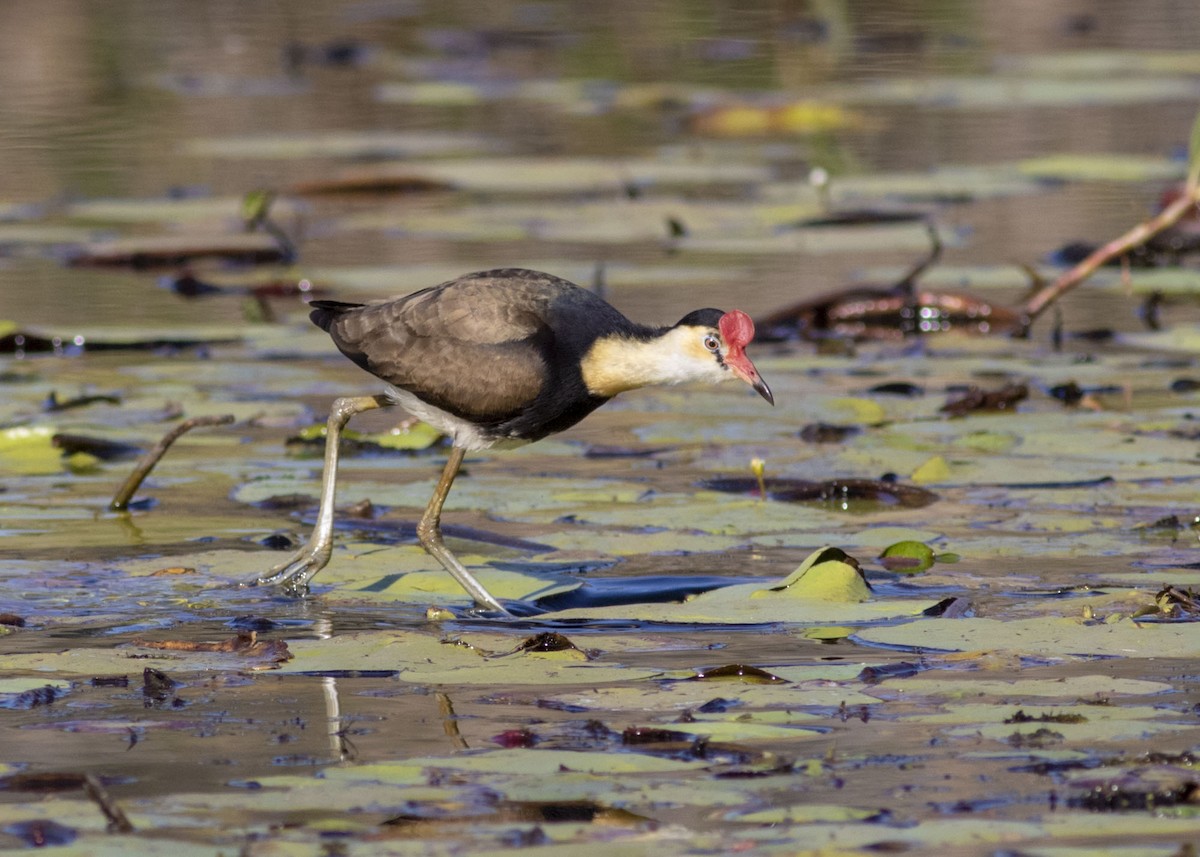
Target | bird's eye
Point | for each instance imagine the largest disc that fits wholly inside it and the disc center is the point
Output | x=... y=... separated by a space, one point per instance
x=712 y=343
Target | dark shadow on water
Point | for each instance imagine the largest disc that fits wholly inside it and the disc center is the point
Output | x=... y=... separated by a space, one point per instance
x=609 y=592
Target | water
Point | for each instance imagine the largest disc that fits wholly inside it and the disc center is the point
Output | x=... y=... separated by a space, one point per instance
x=134 y=101
x=109 y=102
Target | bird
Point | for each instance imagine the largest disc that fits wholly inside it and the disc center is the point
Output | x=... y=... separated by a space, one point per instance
x=498 y=359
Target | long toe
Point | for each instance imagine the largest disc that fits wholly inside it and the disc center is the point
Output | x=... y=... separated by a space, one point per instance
x=522 y=610
x=508 y=610
x=295 y=586
x=296 y=571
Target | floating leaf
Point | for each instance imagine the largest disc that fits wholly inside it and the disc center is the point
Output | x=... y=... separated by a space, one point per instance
x=801 y=117
x=908 y=557
x=30 y=450
x=380 y=180
x=934 y=469
x=1193 y=176
x=1043 y=636
x=826 y=588
x=1009 y=91
x=188 y=209
x=421 y=658
x=1123 y=168
x=843 y=494
x=171 y=251
x=339 y=144
x=828 y=574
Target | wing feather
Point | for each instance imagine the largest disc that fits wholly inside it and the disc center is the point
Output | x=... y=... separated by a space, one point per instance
x=477 y=346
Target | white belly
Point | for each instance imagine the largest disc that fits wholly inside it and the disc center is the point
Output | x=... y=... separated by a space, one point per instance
x=461 y=432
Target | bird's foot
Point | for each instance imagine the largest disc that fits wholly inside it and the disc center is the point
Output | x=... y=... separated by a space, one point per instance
x=491 y=611
x=513 y=610
x=292 y=576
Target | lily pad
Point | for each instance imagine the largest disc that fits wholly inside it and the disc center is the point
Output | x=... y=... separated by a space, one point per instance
x=171 y=251
x=338 y=144
x=1102 y=168
x=825 y=589
x=1042 y=636
x=424 y=659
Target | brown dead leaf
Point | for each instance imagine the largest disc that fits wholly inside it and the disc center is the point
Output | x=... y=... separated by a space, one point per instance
x=169 y=251
x=372 y=180
x=975 y=399
x=246 y=644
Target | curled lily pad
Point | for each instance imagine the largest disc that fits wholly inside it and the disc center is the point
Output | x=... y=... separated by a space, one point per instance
x=829 y=574
x=827 y=587
x=739 y=672
x=933 y=469
x=844 y=494
x=908 y=557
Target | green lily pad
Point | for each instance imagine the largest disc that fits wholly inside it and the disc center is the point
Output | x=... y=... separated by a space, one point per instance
x=1042 y=636
x=1127 y=168
x=16 y=685
x=908 y=557
x=424 y=659
x=999 y=92
x=337 y=144
x=27 y=450
x=825 y=589
x=827 y=574
x=188 y=210
x=806 y=813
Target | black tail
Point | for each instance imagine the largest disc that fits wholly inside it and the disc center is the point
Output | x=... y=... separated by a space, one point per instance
x=325 y=313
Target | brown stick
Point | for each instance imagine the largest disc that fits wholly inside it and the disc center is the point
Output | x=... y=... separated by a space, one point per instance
x=1169 y=216
x=450 y=722
x=120 y=501
x=118 y=822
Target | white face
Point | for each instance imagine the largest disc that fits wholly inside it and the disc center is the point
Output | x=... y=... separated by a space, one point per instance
x=710 y=358
x=697 y=354
x=680 y=355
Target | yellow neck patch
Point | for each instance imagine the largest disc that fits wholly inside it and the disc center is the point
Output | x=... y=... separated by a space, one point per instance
x=615 y=364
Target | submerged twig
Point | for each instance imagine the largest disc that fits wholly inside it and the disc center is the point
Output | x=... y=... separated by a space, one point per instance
x=1138 y=235
x=256 y=214
x=120 y=501
x=118 y=822
x=450 y=722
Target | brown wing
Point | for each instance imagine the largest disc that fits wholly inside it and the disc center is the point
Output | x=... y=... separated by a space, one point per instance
x=474 y=346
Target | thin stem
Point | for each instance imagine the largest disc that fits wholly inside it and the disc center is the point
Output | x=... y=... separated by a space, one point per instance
x=1143 y=232
x=120 y=501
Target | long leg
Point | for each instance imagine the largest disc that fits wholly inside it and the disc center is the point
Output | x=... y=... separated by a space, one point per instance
x=295 y=572
x=429 y=532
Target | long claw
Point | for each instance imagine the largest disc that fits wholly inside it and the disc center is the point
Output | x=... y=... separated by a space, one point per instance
x=294 y=573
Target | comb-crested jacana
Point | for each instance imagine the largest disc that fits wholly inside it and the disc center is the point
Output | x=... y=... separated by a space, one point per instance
x=499 y=359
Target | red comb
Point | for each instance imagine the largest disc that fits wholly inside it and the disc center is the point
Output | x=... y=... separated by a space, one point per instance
x=737 y=328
